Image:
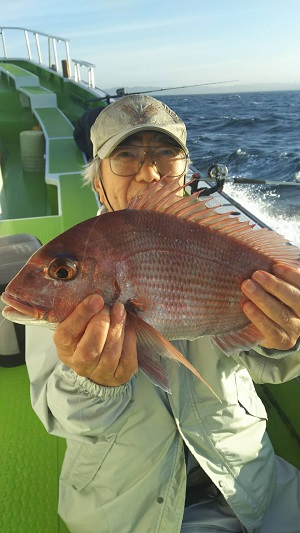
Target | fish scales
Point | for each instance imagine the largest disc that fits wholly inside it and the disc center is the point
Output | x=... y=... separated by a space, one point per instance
x=185 y=278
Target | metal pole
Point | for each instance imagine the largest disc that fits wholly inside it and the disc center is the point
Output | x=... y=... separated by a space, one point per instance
x=28 y=45
x=55 y=54
x=92 y=77
x=3 y=44
x=38 y=48
x=68 y=58
x=49 y=51
x=78 y=72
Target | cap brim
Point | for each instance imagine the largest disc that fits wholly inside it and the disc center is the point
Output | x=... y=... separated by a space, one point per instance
x=112 y=143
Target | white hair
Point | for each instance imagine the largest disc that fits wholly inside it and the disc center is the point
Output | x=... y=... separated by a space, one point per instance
x=92 y=171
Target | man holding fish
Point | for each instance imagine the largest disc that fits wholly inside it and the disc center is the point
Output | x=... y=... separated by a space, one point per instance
x=167 y=454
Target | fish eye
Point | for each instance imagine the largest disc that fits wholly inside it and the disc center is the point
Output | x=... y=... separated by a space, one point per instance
x=62 y=269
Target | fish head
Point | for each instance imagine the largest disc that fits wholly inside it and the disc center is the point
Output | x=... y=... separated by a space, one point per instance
x=55 y=279
x=48 y=288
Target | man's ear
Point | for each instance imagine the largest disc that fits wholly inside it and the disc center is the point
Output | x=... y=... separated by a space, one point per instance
x=99 y=190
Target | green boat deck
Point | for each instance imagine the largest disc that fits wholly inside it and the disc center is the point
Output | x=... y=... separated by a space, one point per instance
x=30 y=462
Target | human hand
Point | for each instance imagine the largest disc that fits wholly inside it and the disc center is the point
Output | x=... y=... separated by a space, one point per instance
x=274 y=306
x=98 y=342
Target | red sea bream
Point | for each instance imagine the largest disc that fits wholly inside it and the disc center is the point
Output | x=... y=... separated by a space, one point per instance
x=175 y=264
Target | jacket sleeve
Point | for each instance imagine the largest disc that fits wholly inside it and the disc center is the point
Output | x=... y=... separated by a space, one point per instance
x=271 y=366
x=69 y=406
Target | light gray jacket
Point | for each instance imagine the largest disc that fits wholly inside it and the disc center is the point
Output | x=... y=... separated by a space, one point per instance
x=124 y=469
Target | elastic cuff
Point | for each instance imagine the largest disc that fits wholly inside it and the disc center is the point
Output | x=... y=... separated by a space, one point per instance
x=100 y=391
x=279 y=354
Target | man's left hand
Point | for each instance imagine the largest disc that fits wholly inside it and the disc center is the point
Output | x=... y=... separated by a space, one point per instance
x=274 y=306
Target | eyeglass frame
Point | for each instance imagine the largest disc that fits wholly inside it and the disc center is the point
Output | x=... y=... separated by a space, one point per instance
x=153 y=148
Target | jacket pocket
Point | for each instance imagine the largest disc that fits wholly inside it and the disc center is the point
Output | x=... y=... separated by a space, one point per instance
x=82 y=467
x=247 y=396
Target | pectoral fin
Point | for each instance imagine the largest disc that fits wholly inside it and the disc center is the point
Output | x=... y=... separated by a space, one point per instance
x=152 y=346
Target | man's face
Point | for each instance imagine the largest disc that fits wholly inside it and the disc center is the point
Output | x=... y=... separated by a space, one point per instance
x=120 y=189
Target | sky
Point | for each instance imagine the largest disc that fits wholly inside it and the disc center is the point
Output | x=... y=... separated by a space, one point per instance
x=167 y=43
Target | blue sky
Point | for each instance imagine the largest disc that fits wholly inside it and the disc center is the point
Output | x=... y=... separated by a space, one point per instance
x=167 y=43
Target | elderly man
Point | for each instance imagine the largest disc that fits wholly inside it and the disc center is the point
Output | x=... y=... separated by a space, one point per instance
x=140 y=460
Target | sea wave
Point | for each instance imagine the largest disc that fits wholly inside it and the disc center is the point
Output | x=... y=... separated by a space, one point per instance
x=269 y=206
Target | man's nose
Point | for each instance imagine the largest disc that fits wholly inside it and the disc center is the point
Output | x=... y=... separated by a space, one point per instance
x=148 y=171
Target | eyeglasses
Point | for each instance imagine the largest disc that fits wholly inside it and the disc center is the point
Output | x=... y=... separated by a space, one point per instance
x=168 y=160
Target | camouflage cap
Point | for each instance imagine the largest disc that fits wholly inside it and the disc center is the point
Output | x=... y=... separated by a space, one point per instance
x=131 y=114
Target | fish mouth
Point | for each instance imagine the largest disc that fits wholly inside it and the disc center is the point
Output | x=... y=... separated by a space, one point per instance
x=19 y=309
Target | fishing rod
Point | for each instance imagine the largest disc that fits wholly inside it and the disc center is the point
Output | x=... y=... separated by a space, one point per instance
x=264 y=182
x=217 y=171
x=121 y=92
x=185 y=86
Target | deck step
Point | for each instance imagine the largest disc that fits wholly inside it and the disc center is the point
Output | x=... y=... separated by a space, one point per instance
x=20 y=76
x=55 y=122
x=29 y=84
x=39 y=96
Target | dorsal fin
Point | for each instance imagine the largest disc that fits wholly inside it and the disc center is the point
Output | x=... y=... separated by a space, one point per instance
x=167 y=197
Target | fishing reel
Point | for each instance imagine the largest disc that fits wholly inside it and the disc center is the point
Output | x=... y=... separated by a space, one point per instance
x=217 y=173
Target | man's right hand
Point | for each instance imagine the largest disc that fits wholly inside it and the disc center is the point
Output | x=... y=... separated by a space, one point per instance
x=98 y=342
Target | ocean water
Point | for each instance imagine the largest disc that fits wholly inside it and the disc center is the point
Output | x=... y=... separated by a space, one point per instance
x=257 y=136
